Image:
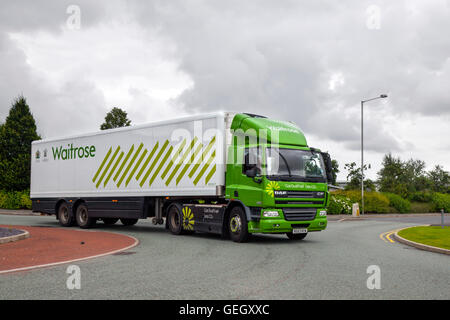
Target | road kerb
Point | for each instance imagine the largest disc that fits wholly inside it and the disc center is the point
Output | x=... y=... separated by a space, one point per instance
x=419 y=245
x=25 y=234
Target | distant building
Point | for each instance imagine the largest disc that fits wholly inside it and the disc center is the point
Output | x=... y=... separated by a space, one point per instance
x=342 y=184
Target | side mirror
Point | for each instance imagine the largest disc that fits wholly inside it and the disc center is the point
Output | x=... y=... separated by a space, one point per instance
x=328 y=166
x=251 y=172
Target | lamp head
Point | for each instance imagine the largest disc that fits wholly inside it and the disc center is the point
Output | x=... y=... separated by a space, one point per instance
x=383 y=96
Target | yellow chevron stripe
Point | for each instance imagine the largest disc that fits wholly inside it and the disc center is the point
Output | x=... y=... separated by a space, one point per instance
x=135 y=167
x=177 y=153
x=107 y=167
x=101 y=166
x=202 y=171
x=123 y=163
x=181 y=175
x=130 y=164
x=188 y=150
x=113 y=169
x=204 y=153
x=147 y=160
x=154 y=162
x=163 y=161
x=210 y=174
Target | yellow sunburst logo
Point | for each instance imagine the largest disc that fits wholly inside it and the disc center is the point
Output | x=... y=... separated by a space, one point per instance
x=188 y=219
x=271 y=186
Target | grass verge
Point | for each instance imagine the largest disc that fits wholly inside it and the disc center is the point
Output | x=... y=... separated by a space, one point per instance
x=430 y=235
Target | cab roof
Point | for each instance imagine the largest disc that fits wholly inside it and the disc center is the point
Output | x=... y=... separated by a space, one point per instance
x=278 y=132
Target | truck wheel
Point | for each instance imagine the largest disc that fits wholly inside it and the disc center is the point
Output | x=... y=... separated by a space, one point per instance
x=175 y=220
x=110 y=221
x=128 y=222
x=237 y=224
x=299 y=236
x=64 y=216
x=82 y=217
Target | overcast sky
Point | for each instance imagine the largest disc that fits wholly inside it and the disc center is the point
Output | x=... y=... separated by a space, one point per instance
x=311 y=62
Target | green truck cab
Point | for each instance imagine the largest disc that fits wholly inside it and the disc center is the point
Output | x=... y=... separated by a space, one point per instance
x=277 y=178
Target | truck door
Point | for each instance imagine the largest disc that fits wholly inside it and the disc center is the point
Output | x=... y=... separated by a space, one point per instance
x=249 y=189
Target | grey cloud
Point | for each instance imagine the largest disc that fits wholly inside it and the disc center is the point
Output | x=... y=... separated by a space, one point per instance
x=25 y=15
x=275 y=58
x=268 y=57
x=75 y=105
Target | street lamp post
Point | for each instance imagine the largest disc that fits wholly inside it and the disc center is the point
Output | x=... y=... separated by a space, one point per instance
x=362 y=148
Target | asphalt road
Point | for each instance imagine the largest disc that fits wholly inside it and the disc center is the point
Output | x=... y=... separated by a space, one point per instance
x=326 y=265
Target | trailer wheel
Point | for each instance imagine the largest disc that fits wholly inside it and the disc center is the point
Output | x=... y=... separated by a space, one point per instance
x=237 y=225
x=82 y=217
x=64 y=216
x=110 y=221
x=128 y=222
x=299 y=236
x=175 y=220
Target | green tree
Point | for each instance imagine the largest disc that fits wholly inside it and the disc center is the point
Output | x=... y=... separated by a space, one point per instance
x=402 y=177
x=391 y=177
x=334 y=170
x=16 y=135
x=354 y=177
x=439 y=179
x=115 y=118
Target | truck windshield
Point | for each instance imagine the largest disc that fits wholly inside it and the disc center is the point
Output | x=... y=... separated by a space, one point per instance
x=295 y=165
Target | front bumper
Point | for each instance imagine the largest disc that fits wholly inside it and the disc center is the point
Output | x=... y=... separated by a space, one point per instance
x=280 y=225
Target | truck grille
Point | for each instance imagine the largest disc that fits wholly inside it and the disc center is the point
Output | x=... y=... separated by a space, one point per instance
x=297 y=202
x=298 y=194
x=299 y=214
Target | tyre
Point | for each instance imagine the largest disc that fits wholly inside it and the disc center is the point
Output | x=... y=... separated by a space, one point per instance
x=237 y=225
x=128 y=222
x=298 y=236
x=82 y=217
x=175 y=220
x=110 y=221
x=65 y=217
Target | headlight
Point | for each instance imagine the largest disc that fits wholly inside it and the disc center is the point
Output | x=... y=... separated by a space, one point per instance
x=271 y=214
x=322 y=213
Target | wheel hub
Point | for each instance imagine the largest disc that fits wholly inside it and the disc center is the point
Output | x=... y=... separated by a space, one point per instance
x=235 y=224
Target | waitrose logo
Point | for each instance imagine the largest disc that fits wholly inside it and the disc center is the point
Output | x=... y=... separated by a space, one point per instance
x=71 y=152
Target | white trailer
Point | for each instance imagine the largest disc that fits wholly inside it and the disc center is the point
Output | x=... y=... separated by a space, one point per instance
x=123 y=173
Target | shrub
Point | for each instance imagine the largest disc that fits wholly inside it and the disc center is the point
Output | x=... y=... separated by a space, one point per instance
x=421 y=207
x=3 y=197
x=421 y=196
x=440 y=201
x=15 y=200
x=397 y=202
x=25 y=201
x=374 y=202
x=339 y=205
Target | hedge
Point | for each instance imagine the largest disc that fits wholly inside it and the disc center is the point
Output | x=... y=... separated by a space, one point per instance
x=397 y=202
x=374 y=202
x=339 y=205
x=15 y=199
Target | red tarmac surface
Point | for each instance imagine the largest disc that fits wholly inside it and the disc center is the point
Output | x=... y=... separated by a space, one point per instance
x=56 y=245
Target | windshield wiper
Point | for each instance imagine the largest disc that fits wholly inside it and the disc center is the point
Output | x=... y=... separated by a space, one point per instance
x=287 y=165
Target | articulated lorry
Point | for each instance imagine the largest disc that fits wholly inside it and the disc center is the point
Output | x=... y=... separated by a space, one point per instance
x=233 y=174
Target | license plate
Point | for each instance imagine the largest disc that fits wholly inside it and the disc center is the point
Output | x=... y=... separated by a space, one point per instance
x=299 y=230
